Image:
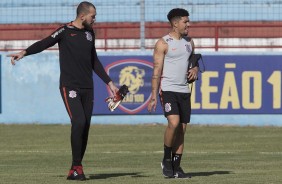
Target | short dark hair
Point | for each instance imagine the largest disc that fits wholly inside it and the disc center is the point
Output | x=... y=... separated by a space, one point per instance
x=83 y=7
x=177 y=13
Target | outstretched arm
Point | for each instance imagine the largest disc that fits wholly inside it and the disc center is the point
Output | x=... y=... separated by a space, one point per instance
x=38 y=46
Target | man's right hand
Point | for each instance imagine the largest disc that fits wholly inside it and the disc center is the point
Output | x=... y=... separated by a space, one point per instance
x=16 y=57
x=152 y=105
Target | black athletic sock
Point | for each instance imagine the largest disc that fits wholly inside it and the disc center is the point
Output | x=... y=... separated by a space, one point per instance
x=76 y=163
x=167 y=153
x=176 y=159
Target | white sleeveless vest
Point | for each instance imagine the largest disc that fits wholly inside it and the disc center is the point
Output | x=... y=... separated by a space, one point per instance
x=175 y=65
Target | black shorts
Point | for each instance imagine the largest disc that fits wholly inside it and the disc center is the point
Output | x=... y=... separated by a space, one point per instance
x=175 y=103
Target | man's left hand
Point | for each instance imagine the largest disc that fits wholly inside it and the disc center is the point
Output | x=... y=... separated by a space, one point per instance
x=193 y=73
x=113 y=88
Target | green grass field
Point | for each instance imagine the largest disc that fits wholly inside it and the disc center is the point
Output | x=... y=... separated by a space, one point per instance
x=131 y=154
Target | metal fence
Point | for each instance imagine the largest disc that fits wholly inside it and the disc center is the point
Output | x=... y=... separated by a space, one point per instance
x=217 y=25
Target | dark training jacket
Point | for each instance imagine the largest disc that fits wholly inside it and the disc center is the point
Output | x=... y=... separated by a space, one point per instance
x=77 y=53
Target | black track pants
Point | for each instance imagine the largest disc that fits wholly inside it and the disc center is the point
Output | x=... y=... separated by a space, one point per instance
x=79 y=105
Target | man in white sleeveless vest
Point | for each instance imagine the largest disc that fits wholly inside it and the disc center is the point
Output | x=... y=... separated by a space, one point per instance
x=171 y=55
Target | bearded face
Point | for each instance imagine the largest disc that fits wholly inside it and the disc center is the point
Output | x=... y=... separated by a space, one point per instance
x=89 y=18
x=87 y=26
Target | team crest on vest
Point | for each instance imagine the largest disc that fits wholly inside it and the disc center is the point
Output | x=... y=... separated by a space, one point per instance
x=88 y=36
x=188 y=47
x=136 y=74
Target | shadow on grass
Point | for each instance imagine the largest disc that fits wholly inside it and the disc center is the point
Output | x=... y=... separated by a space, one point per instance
x=139 y=175
x=113 y=175
x=194 y=174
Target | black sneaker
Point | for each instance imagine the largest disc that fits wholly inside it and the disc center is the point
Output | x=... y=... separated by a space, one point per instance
x=167 y=168
x=179 y=173
x=76 y=173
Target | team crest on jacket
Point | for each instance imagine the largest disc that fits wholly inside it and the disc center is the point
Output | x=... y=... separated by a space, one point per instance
x=88 y=36
x=72 y=94
x=136 y=74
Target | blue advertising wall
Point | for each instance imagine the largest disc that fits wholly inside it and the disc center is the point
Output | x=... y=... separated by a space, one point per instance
x=235 y=89
x=246 y=84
